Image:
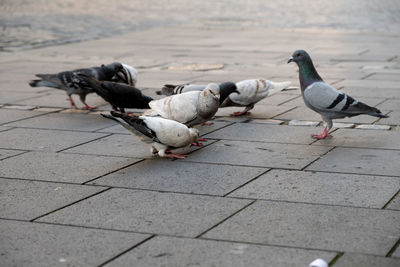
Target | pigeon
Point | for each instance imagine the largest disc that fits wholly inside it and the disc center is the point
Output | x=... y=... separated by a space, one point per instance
x=318 y=263
x=161 y=134
x=323 y=98
x=127 y=75
x=119 y=95
x=190 y=108
x=247 y=93
x=69 y=82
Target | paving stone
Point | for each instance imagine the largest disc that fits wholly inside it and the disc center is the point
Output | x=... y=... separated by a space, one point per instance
x=363 y=138
x=343 y=125
x=359 y=161
x=5 y=153
x=351 y=260
x=265 y=133
x=312 y=226
x=145 y=211
x=34 y=244
x=372 y=92
x=178 y=176
x=49 y=140
x=57 y=121
x=369 y=83
x=9 y=115
x=259 y=111
x=394 y=118
x=12 y=97
x=60 y=167
x=258 y=154
x=395 y=203
x=303 y=123
x=390 y=104
x=26 y=200
x=373 y=127
x=321 y=188
x=19 y=107
x=299 y=113
x=267 y=121
x=3 y=128
x=396 y=253
x=169 y=251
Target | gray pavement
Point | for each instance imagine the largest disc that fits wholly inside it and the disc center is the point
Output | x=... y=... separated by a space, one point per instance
x=78 y=190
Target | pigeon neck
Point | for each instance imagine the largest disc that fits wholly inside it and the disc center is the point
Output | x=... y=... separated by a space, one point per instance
x=223 y=94
x=147 y=100
x=307 y=74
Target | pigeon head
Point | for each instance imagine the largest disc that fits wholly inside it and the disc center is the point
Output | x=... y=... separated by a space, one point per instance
x=113 y=67
x=307 y=72
x=299 y=56
x=226 y=89
x=194 y=135
x=213 y=89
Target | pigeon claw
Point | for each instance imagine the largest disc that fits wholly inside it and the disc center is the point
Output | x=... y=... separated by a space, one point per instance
x=240 y=113
x=207 y=123
x=196 y=144
x=175 y=156
x=322 y=135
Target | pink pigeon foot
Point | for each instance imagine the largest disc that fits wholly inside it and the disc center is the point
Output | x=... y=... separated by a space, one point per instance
x=323 y=135
x=88 y=107
x=240 y=113
x=196 y=144
x=201 y=140
x=207 y=123
x=175 y=156
x=72 y=102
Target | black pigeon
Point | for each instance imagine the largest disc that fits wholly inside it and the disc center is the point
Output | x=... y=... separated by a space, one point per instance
x=325 y=99
x=119 y=95
x=69 y=82
x=225 y=89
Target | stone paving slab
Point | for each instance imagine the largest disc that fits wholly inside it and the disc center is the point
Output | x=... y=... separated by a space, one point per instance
x=48 y=140
x=360 y=161
x=60 y=167
x=13 y=97
x=395 y=203
x=34 y=244
x=10 y=115
x=29 y=199
x=352 y=260
x=390 y=104
x=6 y=153
x=394 y=118
x=178 y=176
x=312 y=226
x=150 y=212
x=265 y=133
x=322 y=188
x=363 y=139
x=258 y=154
x=66 y=121
x=169 y=251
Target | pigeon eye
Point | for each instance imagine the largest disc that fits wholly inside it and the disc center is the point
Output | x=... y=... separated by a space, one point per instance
x=298 y=54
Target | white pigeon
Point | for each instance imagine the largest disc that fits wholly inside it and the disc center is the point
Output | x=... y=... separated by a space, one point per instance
x=251 y=92
x=161 y=134
x=190 y=108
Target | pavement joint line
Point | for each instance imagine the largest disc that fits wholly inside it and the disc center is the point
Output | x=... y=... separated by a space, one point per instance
x=126 y=166
x=337 y=81
x=249 y=181
x=366 y=174
x=83 y=143
x=368 y=75
x=286 y=101
x=49 y=181
x=391 y=199
x=229 y=124
x=37 y=128
x=22 y=152
x=318 y=158
x=393 y=249
x=225 y=219
x=363 y=52
x=336 y=258
x=70 y=204
x=26 y=118
x=102 y=155
x=127 y=250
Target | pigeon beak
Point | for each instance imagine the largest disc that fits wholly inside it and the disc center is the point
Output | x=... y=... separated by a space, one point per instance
x=290 y=60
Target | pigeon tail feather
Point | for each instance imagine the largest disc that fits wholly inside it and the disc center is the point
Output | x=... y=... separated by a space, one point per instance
x=167 y=89
x=42 y=83
x=278 y=86
x=372 y=111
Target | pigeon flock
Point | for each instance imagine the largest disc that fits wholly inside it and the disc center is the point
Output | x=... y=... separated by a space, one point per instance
x=166 y=124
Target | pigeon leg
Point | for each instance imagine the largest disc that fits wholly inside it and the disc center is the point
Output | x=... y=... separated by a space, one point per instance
x=207 y=123
x=83 y=100
x=322 y=135
x=244 y=112
x=72 y=102
x=175 y=156
x=196 y=144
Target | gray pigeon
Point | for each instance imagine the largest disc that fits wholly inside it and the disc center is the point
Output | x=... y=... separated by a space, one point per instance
x=69 y=82
x=325 y=99
x=161 y=134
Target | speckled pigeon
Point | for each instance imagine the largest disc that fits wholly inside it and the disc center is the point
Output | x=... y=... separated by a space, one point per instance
x=69 y=82
x=324 y=98
x=161 y=134
x=119 y=95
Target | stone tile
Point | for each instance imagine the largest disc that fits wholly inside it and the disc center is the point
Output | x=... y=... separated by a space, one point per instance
x=300 y=113
x=351 y=260
x=359 y=161
x=373 y=127
x=321 y=188
x=396 y=253
x=9 y=115
x=145 y=211
x=259 y=111
x=186 y=252
x=258 y=154
x=265 y=133
x=369 y=83
x=26 y=200
x=395 y=204
x=3 y=128
x=205 y=129
x=57 y=121
x=178 y=176
x=267 y=121
x=19 y=107
x=372 y=92
x=390 y=104
x=312 y=226
x=49 y=140
x=60 y=167
x=34 y=244
x=363 y=138
x=394 y=118
x=303 y=123
x=13 y=97
x=343 y=125
x=5 y=153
